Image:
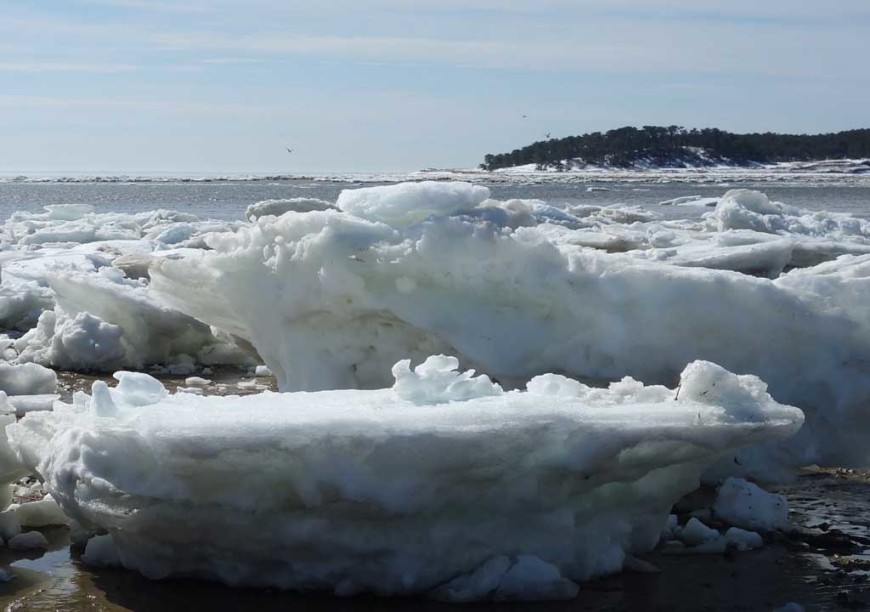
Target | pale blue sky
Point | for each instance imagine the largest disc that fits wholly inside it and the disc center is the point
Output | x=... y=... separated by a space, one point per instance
x=377 y=85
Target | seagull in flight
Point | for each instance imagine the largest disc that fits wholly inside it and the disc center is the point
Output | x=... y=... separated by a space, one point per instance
x=289 y=150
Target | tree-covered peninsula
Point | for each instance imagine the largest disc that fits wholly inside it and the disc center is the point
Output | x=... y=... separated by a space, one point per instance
x=676 y=146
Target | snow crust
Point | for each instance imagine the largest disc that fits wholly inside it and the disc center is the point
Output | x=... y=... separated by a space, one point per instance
x=443 y=484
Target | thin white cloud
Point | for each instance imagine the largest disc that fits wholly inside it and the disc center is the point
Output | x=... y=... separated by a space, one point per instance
x=167 y=106
x=151 y=5
x=65 y=67
x=627 y=49
x=229 y=61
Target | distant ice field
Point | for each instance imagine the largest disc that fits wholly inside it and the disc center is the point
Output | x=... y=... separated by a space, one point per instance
x=227 y=200
x=632 y=337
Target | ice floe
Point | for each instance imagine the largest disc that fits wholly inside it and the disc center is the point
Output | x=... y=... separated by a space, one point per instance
x=332 y=299
x=596 y=402
x=444 y=484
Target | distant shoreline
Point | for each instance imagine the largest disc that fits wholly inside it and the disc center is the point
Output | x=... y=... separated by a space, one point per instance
x=824 y=171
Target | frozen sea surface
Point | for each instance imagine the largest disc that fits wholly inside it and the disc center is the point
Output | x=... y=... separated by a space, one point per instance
x=227 y=200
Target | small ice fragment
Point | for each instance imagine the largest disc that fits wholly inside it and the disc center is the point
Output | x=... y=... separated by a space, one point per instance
x=744 y=504
x=101 y=551
x=743 y=539
x=530 y=578
x=695 y=532
x=9 y=525
x=28 y=541
x=41 y=513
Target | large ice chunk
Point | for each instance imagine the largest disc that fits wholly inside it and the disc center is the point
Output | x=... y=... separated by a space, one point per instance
x=444 y=484
x=26 y=379
x=408 y=203
x=333 y=300
x=747 y=505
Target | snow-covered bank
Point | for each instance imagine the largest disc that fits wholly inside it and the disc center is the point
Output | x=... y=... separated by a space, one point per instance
x=443 y=484
x=331 y=299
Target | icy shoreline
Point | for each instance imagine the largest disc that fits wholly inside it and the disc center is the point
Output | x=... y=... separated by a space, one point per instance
x=332 y=294
x=822 y=171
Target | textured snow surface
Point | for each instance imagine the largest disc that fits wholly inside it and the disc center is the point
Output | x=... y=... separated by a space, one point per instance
x=76 y=283
x=429 y=479
x=516 y=289
x=747 y=505
x=444 y=484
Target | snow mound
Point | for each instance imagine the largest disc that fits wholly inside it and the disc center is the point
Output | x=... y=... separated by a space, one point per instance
x=442 y=485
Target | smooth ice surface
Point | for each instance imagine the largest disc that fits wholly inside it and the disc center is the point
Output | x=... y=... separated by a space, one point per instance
x=444 y=484
x=28 y=541
x=42 y=513
x=279 y=207
x=407 y=203
x=22 y=404
x=26 y=379
x=516 y=289
x=10 y=526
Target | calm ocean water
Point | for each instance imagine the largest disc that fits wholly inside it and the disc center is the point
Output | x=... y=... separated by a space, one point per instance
x=227 y=200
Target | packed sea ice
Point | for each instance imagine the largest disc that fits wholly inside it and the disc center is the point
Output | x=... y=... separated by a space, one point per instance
x=444 y=484
x=332 y=298
x=595 y=328
x=75 y=292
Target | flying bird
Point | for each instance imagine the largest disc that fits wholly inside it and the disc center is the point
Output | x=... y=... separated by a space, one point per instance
x=547 y=135
x=289 y=150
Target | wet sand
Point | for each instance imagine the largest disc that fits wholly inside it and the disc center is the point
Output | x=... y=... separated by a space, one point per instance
x=823 y=565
